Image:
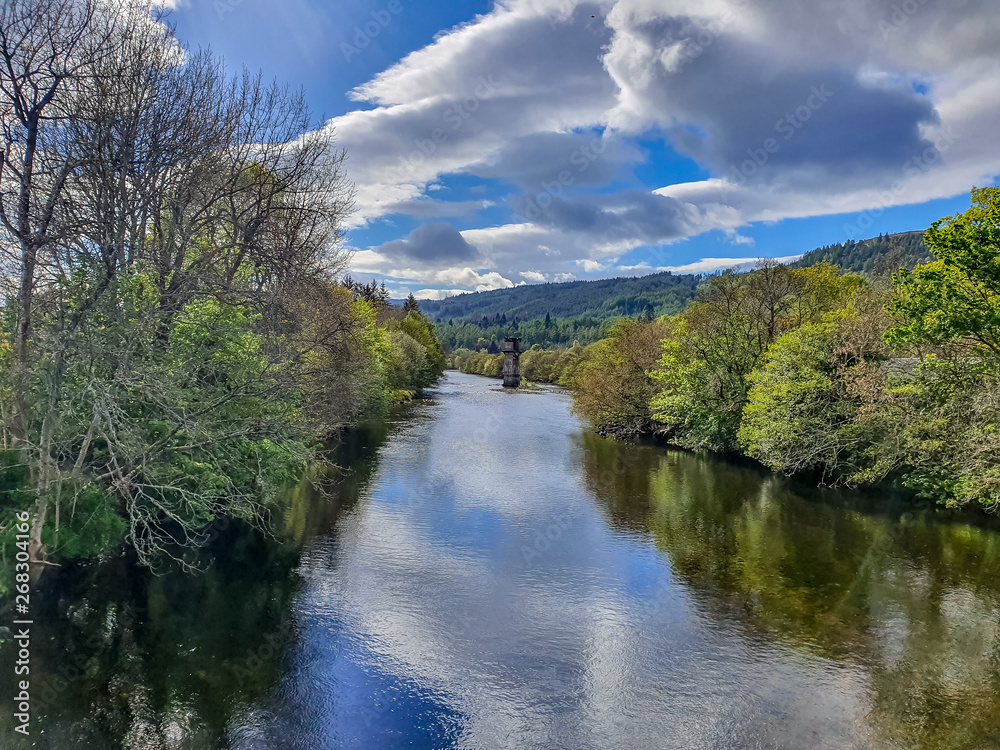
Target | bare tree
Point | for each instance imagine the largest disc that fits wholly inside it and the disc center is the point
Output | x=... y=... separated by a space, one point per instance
x=129 y=165
x=46 y=47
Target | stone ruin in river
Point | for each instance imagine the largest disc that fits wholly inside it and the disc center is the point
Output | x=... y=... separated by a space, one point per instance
x=511 y=349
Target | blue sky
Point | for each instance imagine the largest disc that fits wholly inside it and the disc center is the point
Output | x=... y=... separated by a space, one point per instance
x=495 y=144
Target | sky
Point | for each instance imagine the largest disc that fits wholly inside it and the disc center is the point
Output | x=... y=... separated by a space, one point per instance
x=493 y=144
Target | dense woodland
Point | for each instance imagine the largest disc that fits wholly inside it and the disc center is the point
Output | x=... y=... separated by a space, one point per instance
x=661 y=293
x=563 y=315
x=816 y=371
x=878 y=256
x=178 y=341
x=175 y=345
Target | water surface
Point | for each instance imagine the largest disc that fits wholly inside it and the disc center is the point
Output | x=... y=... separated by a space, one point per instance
x=489 y=574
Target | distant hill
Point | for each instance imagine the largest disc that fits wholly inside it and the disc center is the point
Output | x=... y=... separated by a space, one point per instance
x=665 y=293
x=662 y=293
x=878 y=255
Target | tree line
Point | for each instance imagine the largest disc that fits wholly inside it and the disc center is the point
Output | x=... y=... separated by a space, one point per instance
x=547 y=332
x=666 y=293
x=175 y=342
x=818 y=372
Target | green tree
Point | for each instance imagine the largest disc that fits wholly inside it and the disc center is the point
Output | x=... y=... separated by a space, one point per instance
x=955 y=300
x=722 y=338
x=810 y=406
x=613 y=387
x=947 y=425
x=419 y=329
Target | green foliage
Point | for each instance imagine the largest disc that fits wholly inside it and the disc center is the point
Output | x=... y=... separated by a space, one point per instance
x=407 y=360
x=478 y=363
x=806 y=409
x=613 y=387
x=91 y=523
x=722 y=338
x=600 y=299
x=945 y=430
x=90 y=520
x=417 y=359
x=948 y=413
x=559 y=366
x=814 y=371
x=692 y=408
x=956 y=299
x=560 y=333
x=173 y=419
x=877 y=256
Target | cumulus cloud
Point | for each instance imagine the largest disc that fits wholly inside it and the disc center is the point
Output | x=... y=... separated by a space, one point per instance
x=788 y=109
x=438 y=293
x=441 y=109
x=481 y=282
x=426 y=208
x=432 y=244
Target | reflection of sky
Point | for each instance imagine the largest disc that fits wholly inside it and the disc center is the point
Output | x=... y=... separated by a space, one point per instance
x=439 y=617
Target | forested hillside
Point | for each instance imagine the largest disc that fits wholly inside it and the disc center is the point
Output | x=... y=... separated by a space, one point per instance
x=656 y=294
x=665 y=293
x=878 y=255
x=816 y=371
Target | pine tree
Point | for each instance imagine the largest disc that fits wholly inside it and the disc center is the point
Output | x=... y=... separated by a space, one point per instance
x=411 y=304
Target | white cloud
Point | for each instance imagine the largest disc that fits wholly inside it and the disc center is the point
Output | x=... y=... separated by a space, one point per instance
x=438 y=293
x=536 y=276
x=735 y=238
x=368 y=261
x=481 y=281
x=454 y=276
x=515 y=94
x=590 y=266
x=708 y=265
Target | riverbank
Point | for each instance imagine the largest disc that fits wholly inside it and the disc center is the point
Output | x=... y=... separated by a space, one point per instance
x=849 y=380
x=485 y=571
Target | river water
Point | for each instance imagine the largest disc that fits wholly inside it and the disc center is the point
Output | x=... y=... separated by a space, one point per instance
x=483 y=572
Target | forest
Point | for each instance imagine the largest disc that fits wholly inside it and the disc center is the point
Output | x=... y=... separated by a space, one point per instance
x=177 y=342
x=477 y=321
x=878 y=256
x=662 y=293
x=817 y=371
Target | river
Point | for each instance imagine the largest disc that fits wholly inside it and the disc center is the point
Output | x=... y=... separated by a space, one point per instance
x=483 y=572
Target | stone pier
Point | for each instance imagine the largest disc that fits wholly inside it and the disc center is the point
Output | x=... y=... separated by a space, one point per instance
x=511 y=349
